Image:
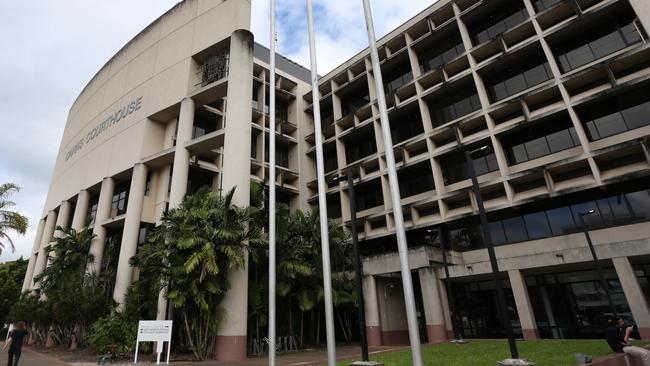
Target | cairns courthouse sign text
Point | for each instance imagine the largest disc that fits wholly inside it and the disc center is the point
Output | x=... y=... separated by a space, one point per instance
x=114 y=118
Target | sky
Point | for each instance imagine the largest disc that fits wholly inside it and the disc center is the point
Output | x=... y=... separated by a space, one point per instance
x=50 y=49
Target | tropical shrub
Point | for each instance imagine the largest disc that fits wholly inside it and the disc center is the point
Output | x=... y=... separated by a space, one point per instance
x=116 y=329
x=192 y=251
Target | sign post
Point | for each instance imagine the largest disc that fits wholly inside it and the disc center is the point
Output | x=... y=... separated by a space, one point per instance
x=11 y=327
x=158 y=331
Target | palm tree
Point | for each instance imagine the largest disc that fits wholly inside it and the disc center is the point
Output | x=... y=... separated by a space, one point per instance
x=9 y=220
x=77 y=298
x=194 y=248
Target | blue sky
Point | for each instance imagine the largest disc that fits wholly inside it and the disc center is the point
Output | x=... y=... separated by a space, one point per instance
x=43 y=68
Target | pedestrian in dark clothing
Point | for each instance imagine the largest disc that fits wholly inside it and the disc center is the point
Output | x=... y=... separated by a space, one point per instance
x=15 y=344
x=618 y=338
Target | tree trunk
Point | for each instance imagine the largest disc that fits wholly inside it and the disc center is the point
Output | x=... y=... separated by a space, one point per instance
x=290 y=318
x=302 y=328
x=318 y=327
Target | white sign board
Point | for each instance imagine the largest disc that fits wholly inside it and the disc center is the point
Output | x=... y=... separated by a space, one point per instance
x=11 y=327
x=158 y=331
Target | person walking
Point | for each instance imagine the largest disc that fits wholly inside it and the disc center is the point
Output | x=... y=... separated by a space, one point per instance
x=15 y=344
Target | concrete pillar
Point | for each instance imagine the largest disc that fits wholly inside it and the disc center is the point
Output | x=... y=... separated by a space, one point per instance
x=524 y=307
x=180 y=171
x=433 y=309
x=634 y=295
x=392 y=311
x=446 y=309
x=48 y=231
x=29 y=275
x=182 y=155
x=103 y=213
x=373 y=327
x=642 y=10
x=62 y=220
x=81 y=210
x=231 y=335
x=130 y=234
x=162 y=190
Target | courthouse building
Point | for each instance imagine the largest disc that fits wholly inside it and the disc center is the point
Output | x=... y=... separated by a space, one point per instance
x=558 y=89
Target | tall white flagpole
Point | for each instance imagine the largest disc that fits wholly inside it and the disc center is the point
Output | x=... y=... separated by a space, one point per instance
x=407 y=283
x=322 y=203
x=272 y=248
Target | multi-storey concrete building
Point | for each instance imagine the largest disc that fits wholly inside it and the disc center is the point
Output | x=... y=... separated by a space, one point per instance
x=558 y=89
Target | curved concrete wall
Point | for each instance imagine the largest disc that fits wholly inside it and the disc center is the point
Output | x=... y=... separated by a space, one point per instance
x=108 y=129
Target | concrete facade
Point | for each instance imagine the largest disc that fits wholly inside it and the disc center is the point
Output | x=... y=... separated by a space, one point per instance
x=157 y=121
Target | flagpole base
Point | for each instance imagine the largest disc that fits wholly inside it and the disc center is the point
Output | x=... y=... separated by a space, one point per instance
x=366 y=363
x=516 y=362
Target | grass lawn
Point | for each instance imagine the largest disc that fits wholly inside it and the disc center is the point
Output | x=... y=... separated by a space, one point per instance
x=487 y=352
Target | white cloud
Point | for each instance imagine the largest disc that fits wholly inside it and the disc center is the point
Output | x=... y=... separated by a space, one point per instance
x=51 y=49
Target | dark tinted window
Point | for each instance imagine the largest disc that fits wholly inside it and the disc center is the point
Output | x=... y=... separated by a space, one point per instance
x=368 y=195
x=541 y=5
x=396 y=78
x=543 y=138
x=560 y=220
x=518 y=77
x=588 y=45
x=454 y=166
x=441 y=52
x=415 y=180
x=537 y=225
x=515 y=229
x=614 y=115
x=457 y=104
x=510 y=14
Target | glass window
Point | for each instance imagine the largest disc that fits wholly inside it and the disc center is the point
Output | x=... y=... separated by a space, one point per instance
x=637 y=116
x=640 y=203
x=496 y=233
x=620 y=208
x=581 y=210
x=561 y=140
x=561 y=220
x=537 y=147
x=601 y=40
x=515 y=229
x=541 y=5
x=537 y=225
x=518 y=77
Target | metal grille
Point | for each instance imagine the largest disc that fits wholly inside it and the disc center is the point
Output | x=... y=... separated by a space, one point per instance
x=215 y=68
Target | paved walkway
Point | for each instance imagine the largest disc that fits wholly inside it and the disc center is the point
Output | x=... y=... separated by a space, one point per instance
x=308 y=358
x=33 y=358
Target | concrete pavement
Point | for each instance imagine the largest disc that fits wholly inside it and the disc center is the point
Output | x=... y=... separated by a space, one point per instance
x=33 y=358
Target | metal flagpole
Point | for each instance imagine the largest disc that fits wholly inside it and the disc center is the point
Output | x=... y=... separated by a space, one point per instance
x=407 y=283
x=271 y=181
x=322 y=203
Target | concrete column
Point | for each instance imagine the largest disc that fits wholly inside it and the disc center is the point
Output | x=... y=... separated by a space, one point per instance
x=444 y=299
x=161 y=192
x=373 y=327
x=62 y=220
x=29 y=275
x=103 y=213
x=180 y=170
x=524 y=307
x=48 y=231
x=642 y=10
x=130 y=234
x=634 y=295
x=231 y=335
x=81 y=210
x=433 y=309
x=182 y=155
